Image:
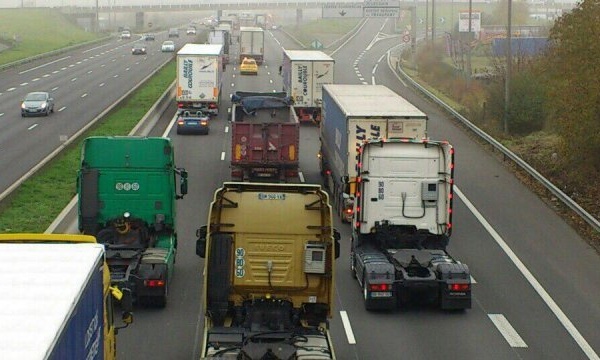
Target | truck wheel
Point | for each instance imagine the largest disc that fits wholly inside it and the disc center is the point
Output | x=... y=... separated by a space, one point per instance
x=161 y=302
x=352 y=267
x=368 y=301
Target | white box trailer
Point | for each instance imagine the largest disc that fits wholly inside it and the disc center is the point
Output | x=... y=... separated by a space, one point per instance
x=52 y=301
x=199 y=77
x=252 y=43
x=304 y=74
x=352 y=114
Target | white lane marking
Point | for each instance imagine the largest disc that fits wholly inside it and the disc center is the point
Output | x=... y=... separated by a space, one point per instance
x=126 y=69
x=347 y=327
x=365 y=83
x=222 y=155
x=23 y=84
x=226 y=129
x=374 y=69
x=473 y=280
x=301 y=176
x=89 y=72
x=268 y=73
x=32 y=126
x=63 y=68
x=101 y=85
x=72 y=65
x=233 y=76
x=373 y=80
x=11 y=89
x=103 y=65
x=116 y=75
x=36 y=79
x=564 y=320
x=381 y=57
x=84 y=95
x=43 y=65
x=510 y=334
x=55 y=71
x=1 y=114
x=54 y=88
x=232 y=84
x=46 y=75
x=62 y=108
x=94 y=48
x=73 y=79
x=270 y=81
x=79 y=62
x=361 y=78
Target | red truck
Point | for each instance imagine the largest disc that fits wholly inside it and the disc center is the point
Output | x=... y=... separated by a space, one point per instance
x=265 y=137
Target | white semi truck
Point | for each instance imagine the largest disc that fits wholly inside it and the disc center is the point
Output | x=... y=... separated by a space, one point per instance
x=350 y=115
x=199 y=78
x=304 y=74
x=252 y=43
x=402 y=224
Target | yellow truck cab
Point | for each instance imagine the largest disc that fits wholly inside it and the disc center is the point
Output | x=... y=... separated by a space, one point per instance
x=269 y=252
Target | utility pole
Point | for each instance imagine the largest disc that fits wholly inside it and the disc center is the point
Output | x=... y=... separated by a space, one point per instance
x=97 y=18
x=426 y=19
x=469 y=39
x=432 y=22
x=508 y=67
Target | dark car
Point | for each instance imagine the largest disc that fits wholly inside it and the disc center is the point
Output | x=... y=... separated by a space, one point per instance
x=193 y=124
x=149 y=37
x=173 y=32
x=138 y=49
x=37 y=103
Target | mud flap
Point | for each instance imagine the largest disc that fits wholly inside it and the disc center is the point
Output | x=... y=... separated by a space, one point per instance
x=219 y=273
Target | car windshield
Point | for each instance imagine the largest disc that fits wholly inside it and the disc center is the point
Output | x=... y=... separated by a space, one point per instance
x=138 y=46
x=35 y=97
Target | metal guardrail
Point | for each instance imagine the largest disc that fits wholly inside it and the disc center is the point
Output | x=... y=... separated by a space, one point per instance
x=591 y=220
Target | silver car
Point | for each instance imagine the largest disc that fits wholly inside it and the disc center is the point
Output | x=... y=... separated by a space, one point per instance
x=37 y=103
x=168 y=46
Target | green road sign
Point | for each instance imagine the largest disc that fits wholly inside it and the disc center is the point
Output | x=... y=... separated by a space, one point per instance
x=316 y=44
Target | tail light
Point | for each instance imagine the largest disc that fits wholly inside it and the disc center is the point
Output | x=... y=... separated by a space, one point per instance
x=212 y=106
x=459 y=287
x=348 y=211
x=154 y=283
x=380 y=287
x=180 y=105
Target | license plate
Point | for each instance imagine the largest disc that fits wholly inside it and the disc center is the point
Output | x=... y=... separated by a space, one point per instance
x=381 y=294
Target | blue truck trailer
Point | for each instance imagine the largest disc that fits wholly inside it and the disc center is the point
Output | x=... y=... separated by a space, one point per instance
x=56 y=299
x=354 y=113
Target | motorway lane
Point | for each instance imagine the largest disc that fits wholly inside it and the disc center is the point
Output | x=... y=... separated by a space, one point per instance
x=550 y=249
x=83 y=82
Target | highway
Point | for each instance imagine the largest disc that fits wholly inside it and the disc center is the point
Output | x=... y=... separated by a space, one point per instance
x=536 y=301
x=537 y=283
x=83 y=83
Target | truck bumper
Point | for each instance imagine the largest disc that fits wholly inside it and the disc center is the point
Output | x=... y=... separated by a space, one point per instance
x=455 y=301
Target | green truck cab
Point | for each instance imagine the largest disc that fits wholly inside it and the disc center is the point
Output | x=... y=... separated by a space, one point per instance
x=127 y=188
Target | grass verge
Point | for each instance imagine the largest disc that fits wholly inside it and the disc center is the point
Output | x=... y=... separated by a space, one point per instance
x=39 y=200
x=29 y=32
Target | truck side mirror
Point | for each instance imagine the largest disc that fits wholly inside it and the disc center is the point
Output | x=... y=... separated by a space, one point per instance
x=126 y=300
x=336 y=243
x=201 y=242
x=183 y=183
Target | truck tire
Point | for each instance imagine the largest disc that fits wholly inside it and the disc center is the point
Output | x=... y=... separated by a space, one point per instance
x=352 y=266
x=161 y=301
x=369 y=303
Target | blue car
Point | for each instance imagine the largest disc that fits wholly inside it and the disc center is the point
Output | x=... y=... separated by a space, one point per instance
x=193 y=124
